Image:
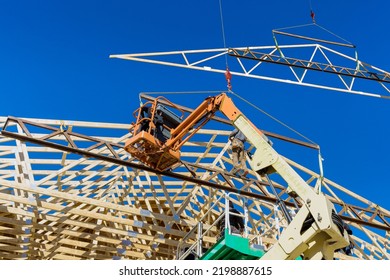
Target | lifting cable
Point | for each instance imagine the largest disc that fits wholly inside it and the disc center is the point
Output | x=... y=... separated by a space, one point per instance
x=345 y=43
x=228 y=75
x=273 y=118
x=312 y=14
x=320 y=158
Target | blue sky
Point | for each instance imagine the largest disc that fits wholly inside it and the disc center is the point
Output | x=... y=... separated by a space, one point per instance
x=55 y=64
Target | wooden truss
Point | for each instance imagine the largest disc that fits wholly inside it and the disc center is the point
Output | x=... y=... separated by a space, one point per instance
x=65 y=195
x=351 y=74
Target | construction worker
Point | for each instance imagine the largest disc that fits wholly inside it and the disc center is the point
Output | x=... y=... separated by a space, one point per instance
x=158 y=121
x=238 y=140
x=145 y=117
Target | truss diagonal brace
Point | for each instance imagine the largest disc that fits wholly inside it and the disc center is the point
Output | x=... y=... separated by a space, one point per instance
x=208 y=62
x=310 y=65
x=29 y=137
x=119 y=161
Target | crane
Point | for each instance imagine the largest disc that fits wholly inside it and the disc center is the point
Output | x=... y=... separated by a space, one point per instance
x=324 y=237
x=166 y=153
x=157 y=139
x=317 y=240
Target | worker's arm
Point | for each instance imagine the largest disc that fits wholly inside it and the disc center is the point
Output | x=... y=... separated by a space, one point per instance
x=233 y=133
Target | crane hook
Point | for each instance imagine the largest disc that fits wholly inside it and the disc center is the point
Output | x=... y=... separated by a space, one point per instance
x=312 y=15
x=228 y=77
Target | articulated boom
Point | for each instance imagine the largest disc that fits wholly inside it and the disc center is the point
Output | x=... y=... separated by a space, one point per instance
x=314 y=233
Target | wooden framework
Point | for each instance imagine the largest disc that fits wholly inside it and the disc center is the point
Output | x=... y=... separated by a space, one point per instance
x=66 y=196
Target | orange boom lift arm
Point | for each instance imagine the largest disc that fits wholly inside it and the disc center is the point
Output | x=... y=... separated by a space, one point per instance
x=162 y=154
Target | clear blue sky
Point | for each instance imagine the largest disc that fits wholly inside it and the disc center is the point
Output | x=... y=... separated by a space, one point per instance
x=54 y=64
